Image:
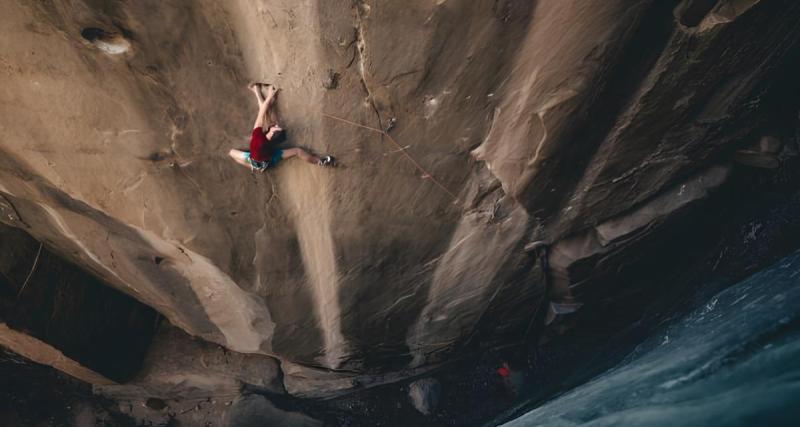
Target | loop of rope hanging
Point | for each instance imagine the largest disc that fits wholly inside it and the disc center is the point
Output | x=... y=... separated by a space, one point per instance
x=33 y=268
x=425 y=173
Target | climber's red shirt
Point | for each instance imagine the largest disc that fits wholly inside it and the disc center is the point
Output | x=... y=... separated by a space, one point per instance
x=260 y=148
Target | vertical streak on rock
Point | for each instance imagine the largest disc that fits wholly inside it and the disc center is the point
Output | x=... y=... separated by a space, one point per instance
x=306 y=191
x=555 y=71
x=463 y=281
x=264 y=29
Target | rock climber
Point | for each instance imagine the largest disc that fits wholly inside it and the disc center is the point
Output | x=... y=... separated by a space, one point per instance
x=267 y=134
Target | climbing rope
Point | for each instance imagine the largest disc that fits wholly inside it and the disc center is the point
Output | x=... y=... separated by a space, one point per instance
x=541 y=250
x=425 y=173
x=33 y=268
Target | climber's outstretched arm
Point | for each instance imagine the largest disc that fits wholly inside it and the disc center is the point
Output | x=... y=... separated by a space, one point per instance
x=262 y=115
x=265 y=105
x=271 y=118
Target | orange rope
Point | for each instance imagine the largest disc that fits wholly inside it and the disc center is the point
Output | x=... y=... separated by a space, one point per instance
x=426 y=174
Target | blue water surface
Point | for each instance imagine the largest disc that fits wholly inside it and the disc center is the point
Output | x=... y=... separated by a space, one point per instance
x=735 y=361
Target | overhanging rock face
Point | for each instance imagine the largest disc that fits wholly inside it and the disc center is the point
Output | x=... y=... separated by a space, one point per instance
x=117 y=120
x=56 y=314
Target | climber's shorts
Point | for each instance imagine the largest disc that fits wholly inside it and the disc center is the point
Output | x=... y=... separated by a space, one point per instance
x=276 y=158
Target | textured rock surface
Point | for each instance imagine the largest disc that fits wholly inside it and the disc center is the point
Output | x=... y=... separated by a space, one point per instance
x=589 y=118
x=254 y=411
x=33 y=394
x=178 y=367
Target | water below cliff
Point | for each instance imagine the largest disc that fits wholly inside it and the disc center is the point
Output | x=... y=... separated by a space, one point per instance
x=733 y=360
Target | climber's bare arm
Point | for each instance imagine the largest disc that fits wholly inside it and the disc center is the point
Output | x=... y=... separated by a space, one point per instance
x=272 y=116
x=262 y=115
x=265 y=105
x=272 y=110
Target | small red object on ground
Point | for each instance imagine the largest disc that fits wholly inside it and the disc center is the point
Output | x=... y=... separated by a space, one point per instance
x=504 y=371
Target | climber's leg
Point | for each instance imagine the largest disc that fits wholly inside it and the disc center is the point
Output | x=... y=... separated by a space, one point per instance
x=263 y=119
x=301 y=153
x=308 y=157
x=241 y=157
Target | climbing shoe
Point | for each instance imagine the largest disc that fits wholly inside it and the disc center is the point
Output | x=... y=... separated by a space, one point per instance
x=327 y=161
